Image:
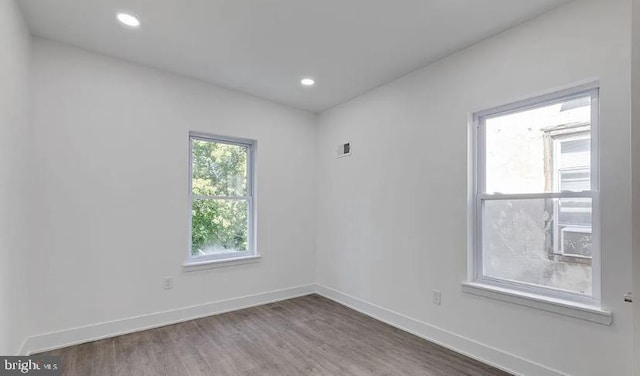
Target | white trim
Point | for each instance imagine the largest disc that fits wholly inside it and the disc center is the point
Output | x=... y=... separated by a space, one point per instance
x=484 y=353
x=231 y=255
x=596 y=253
x=230 y=198
x=191 y=266
x=545 y=303
x=251 y=146
x=23 y=346
x=94 y=332
x=477 y=195
x=548 y=98
x=466 y=346
x=536 y=290
x=472 y=177
x=534 y=196
x=223 y=139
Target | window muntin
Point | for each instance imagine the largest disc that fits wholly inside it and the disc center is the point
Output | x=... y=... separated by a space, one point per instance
x=535 y=193
x=221 y=193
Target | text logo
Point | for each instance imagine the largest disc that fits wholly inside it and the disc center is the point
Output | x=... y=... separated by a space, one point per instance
x=30 y=365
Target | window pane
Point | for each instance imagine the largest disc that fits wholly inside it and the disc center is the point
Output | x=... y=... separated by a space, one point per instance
x=219 y=226
x=525 y=150
x=219 y=169
x=524 y=242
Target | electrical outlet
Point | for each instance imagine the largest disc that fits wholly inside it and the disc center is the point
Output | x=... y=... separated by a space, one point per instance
x=437 y=297
x=167 y=283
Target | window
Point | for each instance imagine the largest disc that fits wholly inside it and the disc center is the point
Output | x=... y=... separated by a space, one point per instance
x=535 y=197
x=222 y=198
x=571 y=173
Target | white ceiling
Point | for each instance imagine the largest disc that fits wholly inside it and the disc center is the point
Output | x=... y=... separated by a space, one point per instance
x=264 y=47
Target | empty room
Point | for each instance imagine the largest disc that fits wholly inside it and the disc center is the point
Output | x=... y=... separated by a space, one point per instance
x=296 y=187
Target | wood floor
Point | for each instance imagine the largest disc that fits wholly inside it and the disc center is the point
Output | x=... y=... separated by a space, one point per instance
x=310 y=335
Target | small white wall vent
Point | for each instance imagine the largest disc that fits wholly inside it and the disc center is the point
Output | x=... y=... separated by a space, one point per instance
x=344 y=150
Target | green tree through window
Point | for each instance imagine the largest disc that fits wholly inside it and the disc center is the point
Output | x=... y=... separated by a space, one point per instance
x=220 y=197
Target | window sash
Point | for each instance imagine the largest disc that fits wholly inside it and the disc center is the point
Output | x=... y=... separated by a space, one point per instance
x=235 y=254
x=205 y=197
x=478 y=258
x=479 y=195
x=532 y=196
x=249 y=197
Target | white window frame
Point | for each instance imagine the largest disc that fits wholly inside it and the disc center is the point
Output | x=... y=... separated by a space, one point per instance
x=251 y=254
x=547 y=298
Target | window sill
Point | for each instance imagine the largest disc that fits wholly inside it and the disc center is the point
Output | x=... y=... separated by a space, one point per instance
x=559 y=306
x=192 y=266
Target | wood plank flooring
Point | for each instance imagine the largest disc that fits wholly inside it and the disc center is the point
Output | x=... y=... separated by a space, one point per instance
x=310 y=335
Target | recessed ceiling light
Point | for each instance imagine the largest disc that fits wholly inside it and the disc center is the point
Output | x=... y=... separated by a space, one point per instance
x=128 y=19
x=307 y=82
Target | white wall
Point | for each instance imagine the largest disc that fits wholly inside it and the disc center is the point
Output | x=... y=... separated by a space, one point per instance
x=111 y=144
x=392 y=217
x=635 y=141
x=14 y=175
x=111 y=156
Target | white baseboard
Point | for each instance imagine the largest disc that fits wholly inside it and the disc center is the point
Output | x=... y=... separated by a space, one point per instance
x=88 y=333
x=466 y=346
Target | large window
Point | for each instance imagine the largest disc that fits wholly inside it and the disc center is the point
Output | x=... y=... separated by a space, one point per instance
x=222 y=198
x=536 y=197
